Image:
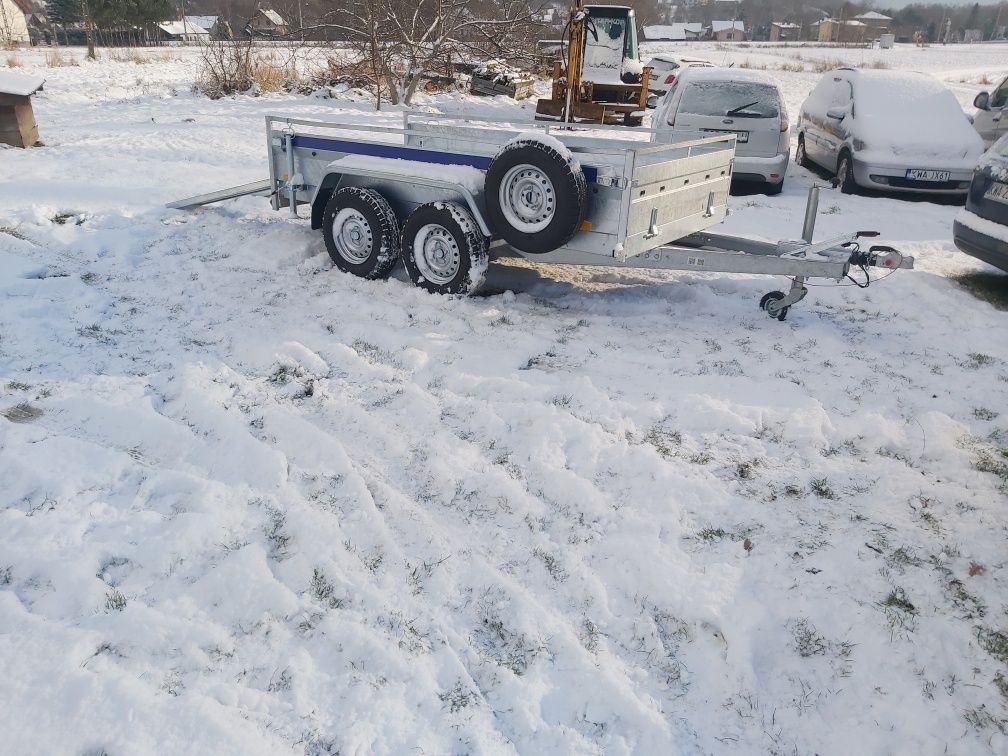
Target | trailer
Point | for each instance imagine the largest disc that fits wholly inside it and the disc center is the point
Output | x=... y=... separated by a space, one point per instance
x=445 y=194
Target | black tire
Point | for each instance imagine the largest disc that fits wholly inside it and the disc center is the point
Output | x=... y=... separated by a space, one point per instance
x=845 y=174
x=632 y=120
x=373 y=252
x=562 y=196
x=774 y=189
x=801 y=157
x=463 y=269
x=774 y=296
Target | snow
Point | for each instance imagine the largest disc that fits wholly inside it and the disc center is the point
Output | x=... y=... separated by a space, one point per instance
x=671 y=31
x=549 y=140
x=253 y=505
x=903 y=115
x=19 y=85
x=703 y=74
x=273 y=16
x=872 y=16
x=632 y=66
x=982 y=225
x=720 y=26
x=464 y=175
x=191 y=25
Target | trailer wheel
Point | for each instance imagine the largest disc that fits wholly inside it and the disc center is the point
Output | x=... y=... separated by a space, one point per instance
x=536 y=197
x=361 y=232
x=443 y=249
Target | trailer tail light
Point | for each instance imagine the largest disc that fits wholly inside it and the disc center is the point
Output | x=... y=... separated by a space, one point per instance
x=670 y=79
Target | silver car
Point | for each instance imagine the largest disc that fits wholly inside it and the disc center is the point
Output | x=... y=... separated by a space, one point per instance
x=991 y=119
x=892 y=131
x=743 y=102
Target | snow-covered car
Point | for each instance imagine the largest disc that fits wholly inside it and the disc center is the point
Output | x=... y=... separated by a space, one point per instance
x=981 y=228
x=991 y=119
x=728 y=100
x=888 y=130
x=665 y=69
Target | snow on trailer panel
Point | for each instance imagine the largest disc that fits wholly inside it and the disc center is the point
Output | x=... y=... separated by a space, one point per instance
x=640 y=195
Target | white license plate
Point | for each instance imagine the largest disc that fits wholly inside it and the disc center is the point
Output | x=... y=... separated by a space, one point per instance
x=921 y=174
x=997 y=191
x=740 y=136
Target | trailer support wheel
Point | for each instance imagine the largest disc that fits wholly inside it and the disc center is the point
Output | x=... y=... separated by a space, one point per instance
x=361 y=232
x=770 y=305
x=443 y=249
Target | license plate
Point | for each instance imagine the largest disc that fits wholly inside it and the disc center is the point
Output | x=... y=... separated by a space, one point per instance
x=921 y=174
x=740 y=136
x=998 y=192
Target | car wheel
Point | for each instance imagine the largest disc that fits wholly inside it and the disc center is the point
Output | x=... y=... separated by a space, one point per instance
x=845 y=174
x=800 y=157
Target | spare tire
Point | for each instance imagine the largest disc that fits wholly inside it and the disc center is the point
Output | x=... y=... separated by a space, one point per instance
x=536 y=195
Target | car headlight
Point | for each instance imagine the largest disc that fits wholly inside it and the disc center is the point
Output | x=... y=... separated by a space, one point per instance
x=859 y=145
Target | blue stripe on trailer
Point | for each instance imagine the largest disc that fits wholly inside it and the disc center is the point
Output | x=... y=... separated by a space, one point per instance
x=405 y=153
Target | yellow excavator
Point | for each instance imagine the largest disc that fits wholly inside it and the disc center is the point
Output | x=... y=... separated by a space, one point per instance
x=600 y=79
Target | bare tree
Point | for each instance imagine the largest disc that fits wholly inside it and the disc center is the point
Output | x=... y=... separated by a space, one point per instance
x=402 y=42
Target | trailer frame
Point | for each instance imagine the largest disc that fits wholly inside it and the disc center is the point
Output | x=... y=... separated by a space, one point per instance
x=620 y=169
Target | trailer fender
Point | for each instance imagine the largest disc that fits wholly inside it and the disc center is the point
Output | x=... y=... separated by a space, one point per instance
x=322 y=194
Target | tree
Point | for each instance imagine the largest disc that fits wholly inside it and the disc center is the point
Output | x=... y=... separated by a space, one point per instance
x=401 y=42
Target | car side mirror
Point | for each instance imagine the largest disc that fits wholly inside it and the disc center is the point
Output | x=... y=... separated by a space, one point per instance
x=837 y=114
x=982 y=101
x=652 y=101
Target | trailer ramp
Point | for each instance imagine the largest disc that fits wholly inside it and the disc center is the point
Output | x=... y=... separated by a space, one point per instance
x=263 y=188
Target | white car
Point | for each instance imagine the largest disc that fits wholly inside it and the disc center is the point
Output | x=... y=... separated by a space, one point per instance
x=743 y=102
x=991 y=119
x=888 y=130
x=665 y=69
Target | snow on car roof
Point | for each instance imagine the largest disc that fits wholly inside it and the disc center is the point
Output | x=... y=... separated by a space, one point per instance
x=894 y=86
x=727 y=74
x=670 y=58
x=18 y=84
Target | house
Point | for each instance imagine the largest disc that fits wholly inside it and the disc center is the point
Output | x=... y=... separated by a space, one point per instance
x=843 y=32
x=17 y=121
x=783 y=32
x=672 y=32
x=727 y=31
x=876 y=23
x=267 y=23
x=185 y=30
x=14 y=23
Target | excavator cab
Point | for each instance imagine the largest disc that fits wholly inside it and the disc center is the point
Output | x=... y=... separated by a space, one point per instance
x=610 y=41
x=601 y=80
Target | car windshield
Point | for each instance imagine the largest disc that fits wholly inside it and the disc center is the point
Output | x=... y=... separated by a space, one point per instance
x=1001 y=147
x=742 y=99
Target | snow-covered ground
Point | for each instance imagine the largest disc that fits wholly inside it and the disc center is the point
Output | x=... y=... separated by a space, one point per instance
x=252 y=505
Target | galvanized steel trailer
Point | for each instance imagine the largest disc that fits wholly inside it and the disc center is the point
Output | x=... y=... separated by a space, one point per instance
x=446 y=193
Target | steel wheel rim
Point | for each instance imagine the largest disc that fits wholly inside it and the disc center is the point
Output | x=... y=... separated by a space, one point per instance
x=352 y=236
x=436 y=253
x=842 y=170
x=801 y=150
x=527 y=198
